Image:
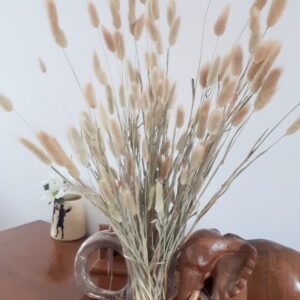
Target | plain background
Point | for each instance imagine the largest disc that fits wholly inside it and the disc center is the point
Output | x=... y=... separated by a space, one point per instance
x=263 y=202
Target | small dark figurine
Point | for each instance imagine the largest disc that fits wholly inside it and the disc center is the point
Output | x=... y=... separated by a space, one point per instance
x=61 y=219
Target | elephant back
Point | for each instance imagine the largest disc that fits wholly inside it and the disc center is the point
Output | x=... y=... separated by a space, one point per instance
x=277 y=272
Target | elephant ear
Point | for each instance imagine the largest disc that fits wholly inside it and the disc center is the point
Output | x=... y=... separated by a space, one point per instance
x=234 y=267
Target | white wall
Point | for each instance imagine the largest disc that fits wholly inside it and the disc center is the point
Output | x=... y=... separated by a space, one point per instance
x=264 y=202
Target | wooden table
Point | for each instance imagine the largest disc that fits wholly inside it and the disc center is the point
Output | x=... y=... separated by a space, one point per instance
x=35 y=267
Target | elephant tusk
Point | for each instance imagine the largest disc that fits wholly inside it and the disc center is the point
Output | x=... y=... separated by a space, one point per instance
x=195 y=295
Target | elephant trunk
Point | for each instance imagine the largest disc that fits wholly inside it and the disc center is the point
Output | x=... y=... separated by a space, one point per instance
x=190 y=281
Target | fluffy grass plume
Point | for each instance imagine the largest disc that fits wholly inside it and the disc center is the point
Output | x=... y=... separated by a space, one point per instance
x=39 y=153
x=222 y=20
x=57 y=32
x=268 y=89
x=108 y=39
x=94 y=18
x=89 y=94
x=42 y=66
x=237 y=60
x=53 y=148
x=275 y=12
x=295 y=127
x=6 y=104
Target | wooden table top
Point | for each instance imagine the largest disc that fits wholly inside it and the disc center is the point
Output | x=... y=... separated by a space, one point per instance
x=35 y=267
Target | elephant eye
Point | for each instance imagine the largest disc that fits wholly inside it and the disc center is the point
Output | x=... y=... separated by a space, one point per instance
x=195 y=269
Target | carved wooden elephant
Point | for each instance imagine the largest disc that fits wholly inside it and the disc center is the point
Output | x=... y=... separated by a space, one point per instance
x=228 y=267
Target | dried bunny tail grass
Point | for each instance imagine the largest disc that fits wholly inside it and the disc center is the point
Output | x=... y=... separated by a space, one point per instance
x=180 y=116
x=153 y=8
x=114 y=7
x=89 y=94
x=94 y=18
x=72 y=169
x=239 y=116
x=131 y=71
x=254 y=41
x=117 y=137
x=165 y=147
x=127 y=199
x=263 y=50
x=268 y=89
x=99 y=72
x=255 y=35
x=182 y=142
x=106 y=189
x=110 y=99
x=253 y=70
x=227 y=93
x=159 y=46
x=295 y=127
x=122 y=97
x=202 y=118
x=171 y=12
x=214 y=71
x=159 y=199
x=42 y=66
x=152 y=29
x=87 y=126
x=224 y=66
x=117 y=21
x=174 y=31
x=197 y=156
x=138 y=27
x=6 y=104
x=254 y=24
x=120 y=46
x=104 y=117
x=237 y=60
x=165 y=167
x=57 y=32
x=78 y=146
x=145 y=100
x=215 y=122
x=131 y=12
x=145 y=151
x=108 y=39
x=265 y=67
x=259 y=4
x=53 y=148
x=221 y=23
x=275 y=12
x=36 y=151
x=183 y=179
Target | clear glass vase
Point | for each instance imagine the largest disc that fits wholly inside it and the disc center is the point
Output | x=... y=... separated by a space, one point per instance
x=146 y=282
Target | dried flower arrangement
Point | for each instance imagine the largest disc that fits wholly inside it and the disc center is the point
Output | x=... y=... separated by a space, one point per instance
x=160 y=170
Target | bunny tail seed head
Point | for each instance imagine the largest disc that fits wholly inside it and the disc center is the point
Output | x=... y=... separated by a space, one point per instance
x=174 y=31
x=53 y=148
x=295 y=127
x=36 y=151
x=220 y=25
x=275 y=12
x=6 y=103
x=94 y=18
x=108 y=39
x=215 y=121
x=57 y=32
x=89 y=94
